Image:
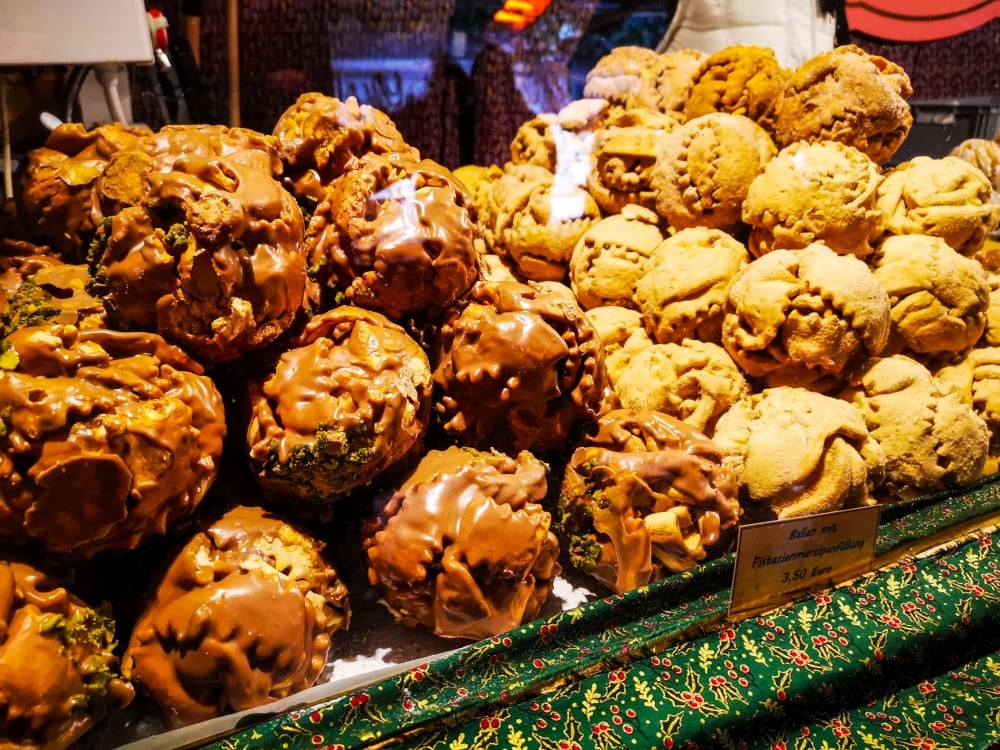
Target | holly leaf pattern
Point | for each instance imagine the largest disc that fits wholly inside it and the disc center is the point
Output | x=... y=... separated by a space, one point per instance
x=782 y=680
x=670 y=725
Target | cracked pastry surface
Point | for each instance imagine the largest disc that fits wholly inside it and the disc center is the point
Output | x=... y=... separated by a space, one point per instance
x=348 y=398
x=984 y=155
x=610 y=257
x=615 y=76
x=739 y=79
x=622 y=336
x=478 y=181
x=519 y=367
x=991 y=334
x=931 y=438
x=802 y=317
x=625 y=152
x=463 y=547
x=693 y=381
x=110 y=437
x=939 y=299
x=208 y=641
x=846 y=95
x=797 y=452
x=682 y=291
x=705 y=168
x=666 y=85
x=976 y=380
x=539 y=220
x=819 y=191
x=533 y=142
x=644 y=496
x=947 y=198
x=548 y=139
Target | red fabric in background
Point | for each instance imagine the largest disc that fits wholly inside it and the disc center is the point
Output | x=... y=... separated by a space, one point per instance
x=919 y=20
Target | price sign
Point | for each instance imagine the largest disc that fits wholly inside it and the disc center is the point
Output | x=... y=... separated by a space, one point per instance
x=778 y=559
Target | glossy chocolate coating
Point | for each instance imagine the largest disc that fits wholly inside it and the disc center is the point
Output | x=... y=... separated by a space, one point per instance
x=347 y=399
x=56 y=185
x=209 y=255
x=59 y=674
x=109 y=437
x=321 y=137
x=395 y=235
x=643 y=496
x=520 y=368
x=243 y=616
x=173 y=144
x=123 y=182
x=55 y=292
x=463 y=547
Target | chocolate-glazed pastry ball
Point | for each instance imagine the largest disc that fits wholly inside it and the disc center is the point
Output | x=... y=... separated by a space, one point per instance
x=349 y=398
x=520 y=367
x=56 y=186
x=394 y=235
x=242 y=617
x=122 y=183
x=463 y=547
x=60 y=674
x=176 y=143
x=321 y=137
x=643 y=496
x=39 y=289
x=209 y=254
x=108 y=437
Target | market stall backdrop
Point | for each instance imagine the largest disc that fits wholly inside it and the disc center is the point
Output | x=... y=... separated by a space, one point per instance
x=428 y=80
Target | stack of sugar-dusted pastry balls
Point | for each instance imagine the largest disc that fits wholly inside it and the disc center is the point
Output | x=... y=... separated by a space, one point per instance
x=696 y=297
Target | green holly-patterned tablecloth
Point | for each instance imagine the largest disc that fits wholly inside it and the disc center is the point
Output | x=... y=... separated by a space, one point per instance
x=906 y=656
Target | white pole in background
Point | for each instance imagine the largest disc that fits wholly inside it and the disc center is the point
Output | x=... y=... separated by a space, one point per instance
x=8 y=162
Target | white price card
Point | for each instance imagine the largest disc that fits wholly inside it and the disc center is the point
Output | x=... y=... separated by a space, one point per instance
x=776 y=560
